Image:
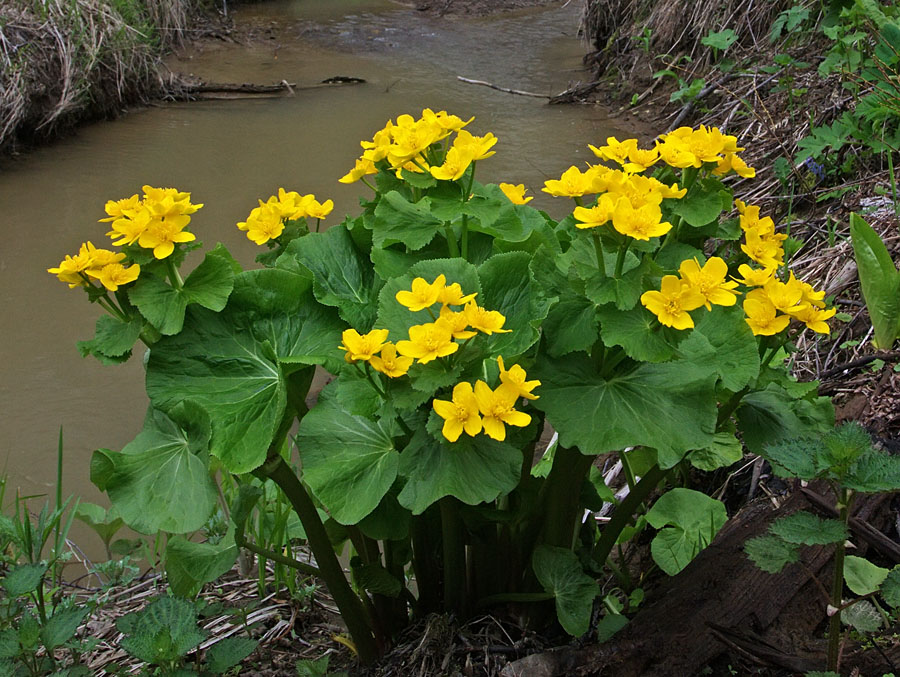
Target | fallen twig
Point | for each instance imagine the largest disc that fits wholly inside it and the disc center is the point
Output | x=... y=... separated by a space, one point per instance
x=502 y=89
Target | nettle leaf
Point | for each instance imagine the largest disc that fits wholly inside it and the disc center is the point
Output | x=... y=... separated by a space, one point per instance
x=343 y=276
x=890 y=588
x=798 y=457
x=24 y=578
x=508 y=288
x=688 y=521
x=862 y=616
x=474 y=470
x=724 y=451
x=670 y=407
x=770 y=553
x=638 y=332
x=723 y=339
x=774 y=414
x=228 y=652
x=160 y=481
x=879 y=279
x=61 y=627
x=397 y=318
x=190 y=565
x=861 y=576
x=113 y=338
x=398 y=220
x=349 y=462
x=873 y=472
x=209 y=285
x=559 y=572
x=231 y=363
x=571 y=325
x=163 y=631
x=804 y=528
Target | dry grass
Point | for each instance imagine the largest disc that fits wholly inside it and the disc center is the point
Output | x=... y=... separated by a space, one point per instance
x=67 y=60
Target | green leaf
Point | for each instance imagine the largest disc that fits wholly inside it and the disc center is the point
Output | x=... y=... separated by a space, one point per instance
x=701 y=206
x=863 y=616
x=623 y=291
x=609 y=625
x=231 y=363
x=160 y=481
x=879 y=279
x=890 y=588
x=190 y=565
x=228 y=652
x=349 y=461
x=313 y=668
x=24 y=578
x=724 y=451
x=723 y=339
x=560 y=572
x=343 y=277
x=688 y=521
x=804 y=528
x=162 y=632
x=719 y=40
x=637 y=332
x=770 y=553
x=571 y=325
x=774 y=414
x=61 y=627
x=474 y=470
x=9 y=644
x=389 y=520
x=113 y=338
x=398 y=220
x=374 y=578
x=670 y=407
x=874 y=472
x=861 y=576
x=397 y=318
x=104 y=523
x=209 y=285
x=508 y=289
x=797 y=457
x=29 y=632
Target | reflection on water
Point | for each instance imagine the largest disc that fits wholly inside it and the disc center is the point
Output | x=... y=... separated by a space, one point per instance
x=228 y=154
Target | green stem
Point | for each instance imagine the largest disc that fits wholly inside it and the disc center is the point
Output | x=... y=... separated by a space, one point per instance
x=560 y=496
x=598 y=250
x=452 y=246
x=625 y=510
x=111 y=308
x=464 y=232
x=629 y=472
x=363 y=179
x=620 y=259
x=454 y=557
x=727 y=409
x=302 y=567
x=424 y=544
x=837 y=586
x=353 y=613
x=174 y=275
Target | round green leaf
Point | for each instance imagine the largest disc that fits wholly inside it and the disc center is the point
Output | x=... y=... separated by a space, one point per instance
x=688 y=521
x=560 y=572
x=861 y=576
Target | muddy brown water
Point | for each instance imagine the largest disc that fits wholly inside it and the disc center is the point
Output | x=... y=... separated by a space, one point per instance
x=228 y=154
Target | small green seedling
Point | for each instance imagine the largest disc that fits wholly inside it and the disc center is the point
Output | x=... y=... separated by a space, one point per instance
x=846 y=459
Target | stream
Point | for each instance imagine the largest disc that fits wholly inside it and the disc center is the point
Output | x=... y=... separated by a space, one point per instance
x=228 y=154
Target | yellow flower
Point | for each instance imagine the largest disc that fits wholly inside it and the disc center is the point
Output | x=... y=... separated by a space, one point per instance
x=318 y=210
x=810 y=295
x=362 y=347
x=598 y=215
x=363 y=167
x=445 y=120
x=428 y=342
x=731 y=162
x=710 y=281
x=162 y=236
x=785 y=296
x=114 y=275
x=459 y=414
x=755 y=277
x=572 y=183
x=73 y=269
x=263 y=224
x=130 y=228
x=514 y=379
x=639 y=190
x=762 y=316
x=640 y=159
x=516 y=194
x=126 y=207
x=452 y=295
x=672 y=302
x=615 y=150
x=642 y=223
x=389 y=363
x=423 y=294
x=456 y=163
x=765 y=252
x=487 y=321
x=814 y=318
x=457 y=323
x=480 y=146
x=497 y=409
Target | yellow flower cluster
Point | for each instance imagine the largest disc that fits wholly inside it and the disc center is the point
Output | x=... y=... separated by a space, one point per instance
x=482 y=408
x=102 y=265
x=266 y=222
x=695 y=286
x=687 y=147
x=428 y=341
x=412 y=144
x=156 y=222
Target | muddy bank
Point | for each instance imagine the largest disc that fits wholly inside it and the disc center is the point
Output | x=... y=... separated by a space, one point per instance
x=62 y=63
